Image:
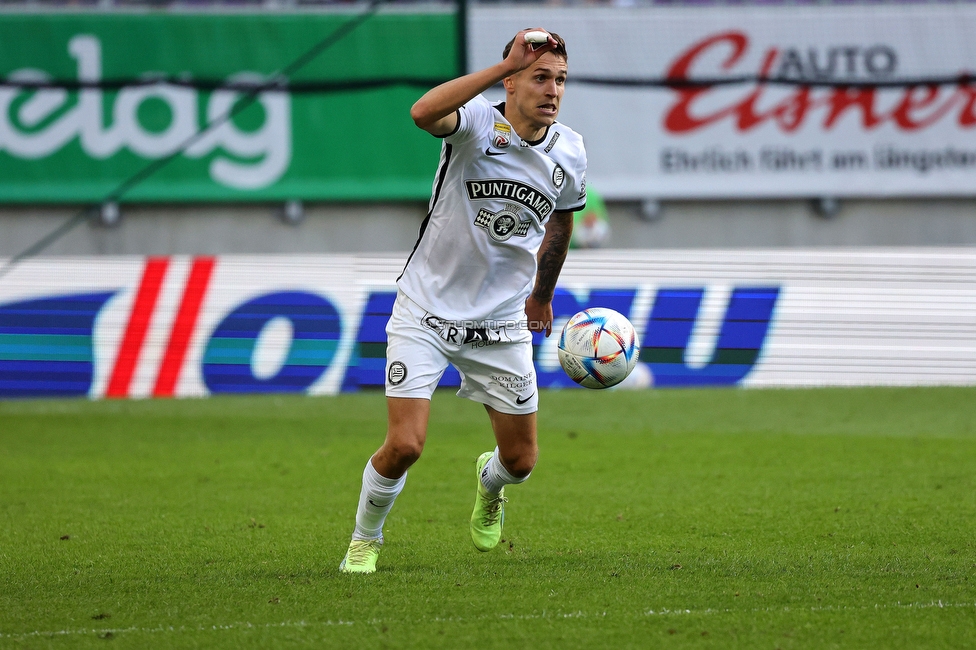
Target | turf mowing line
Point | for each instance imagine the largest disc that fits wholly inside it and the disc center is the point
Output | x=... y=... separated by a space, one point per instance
x=458 y=619
x=825 y=608
x=172 y=628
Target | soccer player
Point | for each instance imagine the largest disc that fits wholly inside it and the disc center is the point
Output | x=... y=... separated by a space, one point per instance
x=480 y=279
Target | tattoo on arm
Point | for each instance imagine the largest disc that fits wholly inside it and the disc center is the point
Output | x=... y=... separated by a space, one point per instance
x=552 y=254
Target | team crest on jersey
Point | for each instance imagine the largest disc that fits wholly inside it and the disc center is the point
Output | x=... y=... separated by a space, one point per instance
x=582 y=194
x=504 y=224
x=502 y=135
x=558 y=176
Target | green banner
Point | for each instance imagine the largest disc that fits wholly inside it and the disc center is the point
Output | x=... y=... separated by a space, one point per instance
x=60 y=145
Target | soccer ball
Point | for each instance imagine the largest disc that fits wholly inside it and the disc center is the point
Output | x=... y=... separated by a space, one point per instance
x=598 y=348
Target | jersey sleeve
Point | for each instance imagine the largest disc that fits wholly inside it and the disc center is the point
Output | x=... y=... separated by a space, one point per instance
x=573 y=195
x=473 y=121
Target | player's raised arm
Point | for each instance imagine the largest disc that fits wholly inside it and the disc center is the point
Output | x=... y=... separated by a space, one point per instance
x=552 y=254
x=435 y=112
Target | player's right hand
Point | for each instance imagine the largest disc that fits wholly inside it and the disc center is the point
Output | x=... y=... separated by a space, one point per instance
x=525 y=54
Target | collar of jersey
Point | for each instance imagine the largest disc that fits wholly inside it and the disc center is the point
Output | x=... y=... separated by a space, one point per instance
x=500 y=107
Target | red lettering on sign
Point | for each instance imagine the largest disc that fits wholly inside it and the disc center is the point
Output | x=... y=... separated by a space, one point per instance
x=918 y=108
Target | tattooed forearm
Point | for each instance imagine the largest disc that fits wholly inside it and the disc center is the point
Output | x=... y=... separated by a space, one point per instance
x=552 y=254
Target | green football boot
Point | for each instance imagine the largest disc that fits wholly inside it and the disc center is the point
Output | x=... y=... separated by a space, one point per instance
x=361 y=556
x=489 y=511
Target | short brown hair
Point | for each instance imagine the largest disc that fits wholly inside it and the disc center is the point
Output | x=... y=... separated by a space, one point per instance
x=559 y=50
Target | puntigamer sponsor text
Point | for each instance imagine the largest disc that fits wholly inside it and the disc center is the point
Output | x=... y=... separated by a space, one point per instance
x=521 y=193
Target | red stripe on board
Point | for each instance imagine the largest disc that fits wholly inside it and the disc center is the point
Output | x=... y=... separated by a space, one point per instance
x=135 y=331
x=183 y=326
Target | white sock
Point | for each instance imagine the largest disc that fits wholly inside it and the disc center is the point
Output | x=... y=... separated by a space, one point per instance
x=494 y=476
x=375 y=502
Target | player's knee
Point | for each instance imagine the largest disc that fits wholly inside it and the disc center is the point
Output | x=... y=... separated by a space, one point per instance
x=406 y=452
x=520 y=465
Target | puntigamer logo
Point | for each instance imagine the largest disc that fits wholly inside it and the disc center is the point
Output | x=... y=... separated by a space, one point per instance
x=38 y=124
x=521 y=193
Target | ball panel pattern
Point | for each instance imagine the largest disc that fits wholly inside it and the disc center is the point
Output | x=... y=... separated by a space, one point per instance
x=598 y=348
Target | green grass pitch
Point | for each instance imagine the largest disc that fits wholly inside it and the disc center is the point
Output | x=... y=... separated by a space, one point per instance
x=700 y=518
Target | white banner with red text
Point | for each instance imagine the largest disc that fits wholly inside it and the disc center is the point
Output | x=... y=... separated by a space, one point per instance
x=757 y=139
x=133 y=327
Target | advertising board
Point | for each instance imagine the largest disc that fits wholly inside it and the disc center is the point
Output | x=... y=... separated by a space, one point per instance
x=66 y=145
x=804 y=134
x=191 y=327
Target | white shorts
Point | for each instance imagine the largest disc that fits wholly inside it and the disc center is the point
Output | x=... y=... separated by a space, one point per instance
x=495 y=362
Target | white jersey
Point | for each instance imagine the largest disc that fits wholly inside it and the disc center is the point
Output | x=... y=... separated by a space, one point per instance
x=492 y=197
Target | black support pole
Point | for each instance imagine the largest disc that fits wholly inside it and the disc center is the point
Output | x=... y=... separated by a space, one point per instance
x=462 y=36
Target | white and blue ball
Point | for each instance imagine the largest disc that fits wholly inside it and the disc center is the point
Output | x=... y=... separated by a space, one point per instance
x=598 y=348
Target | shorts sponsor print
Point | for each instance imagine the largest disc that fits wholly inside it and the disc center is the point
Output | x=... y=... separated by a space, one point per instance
x=464 y=333
x=494 y=361
x=522 y=386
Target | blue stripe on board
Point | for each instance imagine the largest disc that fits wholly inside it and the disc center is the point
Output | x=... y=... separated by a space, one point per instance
x=59 y=315
x=45 y=378
x=21 y=391
x=66 y=315
x=26 y=366
x=238 y=379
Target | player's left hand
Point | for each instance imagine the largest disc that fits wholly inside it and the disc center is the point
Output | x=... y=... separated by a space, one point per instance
x=539 y=316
